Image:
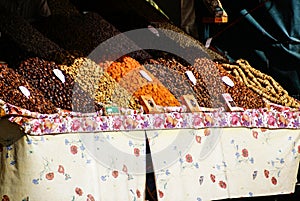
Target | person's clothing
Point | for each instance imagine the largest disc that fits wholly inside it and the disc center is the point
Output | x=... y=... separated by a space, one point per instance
x=188 y=18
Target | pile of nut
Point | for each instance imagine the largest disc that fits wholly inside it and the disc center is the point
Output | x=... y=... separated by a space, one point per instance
x=260 y=83
x=242 y=95
x=99 y=84
x=137 y=80
x=17 y=91
x=55 y=84
x=168 y=73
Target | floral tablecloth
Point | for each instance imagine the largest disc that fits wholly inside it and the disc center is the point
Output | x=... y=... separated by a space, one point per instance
x=196 y=156
x=225 y=163
x=62 y=167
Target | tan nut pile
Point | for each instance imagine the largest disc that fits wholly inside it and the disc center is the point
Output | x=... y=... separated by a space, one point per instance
x=99 y=84
x=261 y=83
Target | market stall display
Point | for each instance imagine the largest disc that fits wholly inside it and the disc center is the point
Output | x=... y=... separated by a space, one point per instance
x=56 y=85
x=261 y=83
x=17 y=91
x=98 y=84
x=55 y=101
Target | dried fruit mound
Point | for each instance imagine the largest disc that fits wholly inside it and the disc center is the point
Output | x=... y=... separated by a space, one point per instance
x=242 y=95
x=61 y=91
x=260 y=83
x=11 y=86
x=130 y=74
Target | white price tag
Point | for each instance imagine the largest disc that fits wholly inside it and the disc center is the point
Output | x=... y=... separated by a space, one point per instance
x=153 y=30
x=24 y=91
x=146 y=76
x=208 y=42
x=228 y=81
x=59 y=75
x=191 y=77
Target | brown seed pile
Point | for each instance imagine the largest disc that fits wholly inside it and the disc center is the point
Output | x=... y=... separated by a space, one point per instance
x=193 y=46
x=208 y=87
x=10 y=83
x=127 y=72
x=27 y=41
x=210 y=79
x=62 y=7
x=242 y=95
x=168 y=73
x=81 y=34
x=62 y=93
x=260 y=83
x=99 y=84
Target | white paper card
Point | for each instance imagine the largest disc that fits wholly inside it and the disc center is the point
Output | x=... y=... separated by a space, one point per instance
x=24 y=91
x=191 y=77
x=146 y=76
x=59 y=75
x=227 y=81
x=208 y=42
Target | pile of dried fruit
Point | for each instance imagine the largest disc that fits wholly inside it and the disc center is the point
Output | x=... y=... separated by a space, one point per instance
x=262 y=84
x=169 y=74
x=242 y=95
x=81 y=34
x=55 y=84
x=17 y=91
x=137 y=80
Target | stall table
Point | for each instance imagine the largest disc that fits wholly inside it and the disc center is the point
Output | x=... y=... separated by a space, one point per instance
x=196 y=156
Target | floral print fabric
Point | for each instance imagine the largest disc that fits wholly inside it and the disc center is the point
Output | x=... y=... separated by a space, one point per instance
x=196 y=156
x=61 y=167
x=239 y=162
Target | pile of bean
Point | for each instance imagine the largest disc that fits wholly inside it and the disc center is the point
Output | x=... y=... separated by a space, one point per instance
x=211 y=79
x=99 y=85
x=62 y=7
x=208 y=87
x=261 y=83
x=174 y=80
x=83 y=33
x=194 y=47
x=242 y=95
x=126 y=72
x=62 y=93
x=10 y=81
x=28 y=41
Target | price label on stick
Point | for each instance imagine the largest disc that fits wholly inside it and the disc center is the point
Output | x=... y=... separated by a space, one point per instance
x=208 y=42
x=191 y=77
x=24 y=91
x=59 y=75
x=146 y=76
